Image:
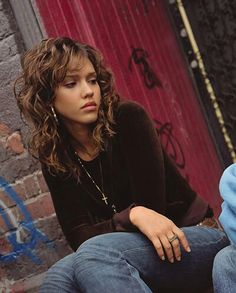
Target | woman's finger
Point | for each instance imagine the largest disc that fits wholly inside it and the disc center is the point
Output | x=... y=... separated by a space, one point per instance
x=182 y=239
x=174 y=241
x=158 y=246
x=168 y=248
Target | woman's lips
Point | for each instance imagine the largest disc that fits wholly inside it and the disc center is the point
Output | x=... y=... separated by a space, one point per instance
x=90 y=106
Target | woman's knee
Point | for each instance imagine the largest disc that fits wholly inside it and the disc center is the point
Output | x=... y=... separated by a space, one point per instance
x=116 y=242
x=96 y=249
x=107 y=250
x=60 y=276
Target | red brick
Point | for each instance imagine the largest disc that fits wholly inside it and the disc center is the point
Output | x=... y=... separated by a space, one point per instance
x=14 y=142
x=7 y=201
x=2 y=274
x=5 y=246
x=42 y=184
x=3 y=226
x=4 y=130
x=42 y=207
x=33 y=284
x=17 y=214
x=19 y=188
x=31 y=186
x=3 y=143
x=18 y=217
x=18 y=287
x=13 y=212
x=30 y=284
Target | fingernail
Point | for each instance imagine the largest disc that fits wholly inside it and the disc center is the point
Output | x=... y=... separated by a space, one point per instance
x=163 y=258
x=188 y=249
x=178 y=258
x=171 y=260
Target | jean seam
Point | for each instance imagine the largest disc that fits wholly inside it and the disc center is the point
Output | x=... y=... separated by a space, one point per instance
x=131 y=266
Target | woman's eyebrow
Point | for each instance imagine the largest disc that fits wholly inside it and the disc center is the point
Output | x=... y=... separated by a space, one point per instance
x=90 y=74
x=72 y=75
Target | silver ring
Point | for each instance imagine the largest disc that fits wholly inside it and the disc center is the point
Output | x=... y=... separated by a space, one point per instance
x=173 y=238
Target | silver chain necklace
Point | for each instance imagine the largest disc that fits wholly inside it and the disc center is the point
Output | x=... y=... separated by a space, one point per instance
x=104 y=197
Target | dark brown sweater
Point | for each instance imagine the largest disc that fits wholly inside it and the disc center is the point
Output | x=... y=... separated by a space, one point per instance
x=135 y=171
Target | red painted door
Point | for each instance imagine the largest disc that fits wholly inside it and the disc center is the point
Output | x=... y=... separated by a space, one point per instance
x=138 y=41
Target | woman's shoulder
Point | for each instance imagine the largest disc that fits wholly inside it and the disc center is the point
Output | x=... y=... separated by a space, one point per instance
x=132 y=117
x=131 y=112
x=129 y=106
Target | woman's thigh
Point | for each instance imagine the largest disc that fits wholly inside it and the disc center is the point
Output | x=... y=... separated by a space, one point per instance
x=128 y=261
x=193 y=271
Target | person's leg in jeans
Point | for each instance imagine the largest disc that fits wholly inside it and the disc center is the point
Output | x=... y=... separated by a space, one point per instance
x=127 y=262
x=224 y=270
x=60 y=277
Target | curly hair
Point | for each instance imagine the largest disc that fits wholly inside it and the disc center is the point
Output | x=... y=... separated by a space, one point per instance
x=43 y=68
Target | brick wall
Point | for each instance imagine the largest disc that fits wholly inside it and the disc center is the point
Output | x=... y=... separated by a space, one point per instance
x=30 y=237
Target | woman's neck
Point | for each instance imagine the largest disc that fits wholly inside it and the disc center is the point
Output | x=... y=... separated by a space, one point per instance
x=84 y=144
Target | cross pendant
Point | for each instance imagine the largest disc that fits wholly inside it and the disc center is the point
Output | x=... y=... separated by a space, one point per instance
x=105 y=199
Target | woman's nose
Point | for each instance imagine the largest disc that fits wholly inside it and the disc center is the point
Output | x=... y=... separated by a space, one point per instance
x=87 y=90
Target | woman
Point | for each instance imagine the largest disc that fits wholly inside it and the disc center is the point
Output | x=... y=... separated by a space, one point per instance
x=118 y=198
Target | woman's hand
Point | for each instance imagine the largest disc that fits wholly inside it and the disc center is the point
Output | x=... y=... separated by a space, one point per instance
x=160 y=231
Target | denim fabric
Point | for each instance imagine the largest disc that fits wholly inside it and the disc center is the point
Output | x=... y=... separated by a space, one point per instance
x=224 y=270
x=123 y=262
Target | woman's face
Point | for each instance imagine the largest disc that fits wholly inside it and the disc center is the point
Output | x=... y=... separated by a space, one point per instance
x=78 y=97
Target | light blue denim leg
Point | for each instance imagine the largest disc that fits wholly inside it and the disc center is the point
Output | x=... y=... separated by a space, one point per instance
x=224 y=270
x=60 y=277
x=127 y=262
x=101 y=267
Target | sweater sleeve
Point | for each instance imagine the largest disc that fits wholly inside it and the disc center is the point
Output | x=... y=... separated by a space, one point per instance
x=76 y=221
x=228 y=193
x=155 y=181
x=140 y=145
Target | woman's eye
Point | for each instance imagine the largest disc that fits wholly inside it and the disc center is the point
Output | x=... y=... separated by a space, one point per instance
x=70 y=84
x=93 y=81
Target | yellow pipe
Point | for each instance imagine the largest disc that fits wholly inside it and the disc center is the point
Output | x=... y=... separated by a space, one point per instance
x=208 y=85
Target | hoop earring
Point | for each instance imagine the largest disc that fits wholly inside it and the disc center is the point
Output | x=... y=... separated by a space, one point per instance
x=54 y=115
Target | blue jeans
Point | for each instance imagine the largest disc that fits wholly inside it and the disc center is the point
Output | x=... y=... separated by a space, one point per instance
x=123 y=262
x=224 y=270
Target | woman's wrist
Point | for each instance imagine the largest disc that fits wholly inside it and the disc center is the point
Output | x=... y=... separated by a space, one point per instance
x=135 y=213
